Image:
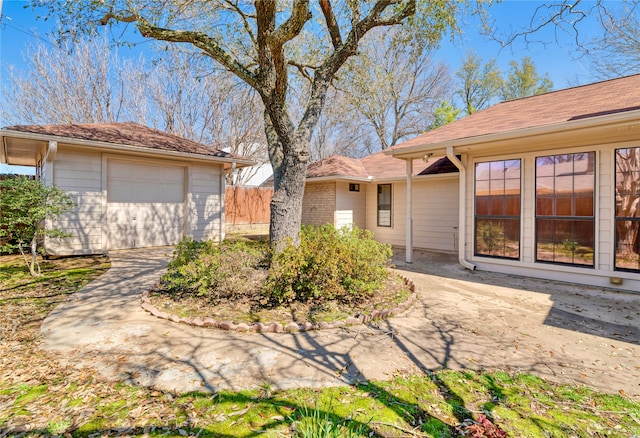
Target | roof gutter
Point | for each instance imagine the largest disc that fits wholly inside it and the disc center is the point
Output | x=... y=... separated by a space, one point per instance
x=462 y=221
x=239 y=162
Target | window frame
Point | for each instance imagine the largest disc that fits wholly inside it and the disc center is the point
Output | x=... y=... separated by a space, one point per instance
x=617 y=219
x=571 y=219
x=378 y=205
x=491 y=217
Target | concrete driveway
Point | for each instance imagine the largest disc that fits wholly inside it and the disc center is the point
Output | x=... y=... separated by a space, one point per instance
x=462 y=319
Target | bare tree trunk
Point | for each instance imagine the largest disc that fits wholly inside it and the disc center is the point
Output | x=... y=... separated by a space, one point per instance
x=286 y=204
x=289 y=161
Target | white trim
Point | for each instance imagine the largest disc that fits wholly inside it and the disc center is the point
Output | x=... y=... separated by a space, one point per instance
x=409 y=202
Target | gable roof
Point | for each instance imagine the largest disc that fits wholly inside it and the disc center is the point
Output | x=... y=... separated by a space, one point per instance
x=123 y=135
x=377 y=165
x=605 y=98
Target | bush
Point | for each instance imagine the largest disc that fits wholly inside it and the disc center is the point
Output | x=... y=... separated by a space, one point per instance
x=344 y=265
x=218 y=271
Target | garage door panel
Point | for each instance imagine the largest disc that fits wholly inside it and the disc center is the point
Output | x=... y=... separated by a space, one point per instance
x=159 y=192
x=158 y=213
x=145 y=204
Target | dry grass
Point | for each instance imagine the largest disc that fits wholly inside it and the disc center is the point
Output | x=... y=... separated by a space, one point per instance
x=251 y=308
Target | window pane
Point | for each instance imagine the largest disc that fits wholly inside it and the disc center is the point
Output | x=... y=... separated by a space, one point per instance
x=544 y=185
x=563 y=205
x=584 y=204
x=627 y=245
x=482 y=171
x=497 y=170
x=512 y=205
x=565 y=241
x=544 y=206
x=498 y=237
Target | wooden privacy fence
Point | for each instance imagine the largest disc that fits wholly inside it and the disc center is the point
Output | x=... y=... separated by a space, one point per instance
x=247 y=209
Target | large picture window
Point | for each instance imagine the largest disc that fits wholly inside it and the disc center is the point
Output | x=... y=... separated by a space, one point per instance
x=497 y=209
x=384 y=205
x=628 y=209
x=565 y=208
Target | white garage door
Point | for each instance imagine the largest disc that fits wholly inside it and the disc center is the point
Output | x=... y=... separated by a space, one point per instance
x=145 y=204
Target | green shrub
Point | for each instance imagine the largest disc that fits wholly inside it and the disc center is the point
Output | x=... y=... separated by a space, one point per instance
x=346 y=265
x=329 y=264
x=216 y=270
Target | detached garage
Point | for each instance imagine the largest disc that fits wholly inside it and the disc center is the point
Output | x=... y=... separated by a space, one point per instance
x=134 y=186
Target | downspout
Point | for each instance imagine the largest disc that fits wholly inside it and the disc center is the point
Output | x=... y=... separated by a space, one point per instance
x=462 y=217
x=409 y=226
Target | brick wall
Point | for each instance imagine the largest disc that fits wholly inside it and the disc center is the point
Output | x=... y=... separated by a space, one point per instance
x=319 y=204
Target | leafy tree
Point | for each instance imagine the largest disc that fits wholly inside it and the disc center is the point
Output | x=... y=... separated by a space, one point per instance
x=444 y=114
x=480 y=84
x=483 y=84
x=259 y=43
x=25 y=205
x=523 y=80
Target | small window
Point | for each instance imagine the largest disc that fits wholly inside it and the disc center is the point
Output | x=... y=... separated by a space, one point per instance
x=384 y=205
x=354 y=187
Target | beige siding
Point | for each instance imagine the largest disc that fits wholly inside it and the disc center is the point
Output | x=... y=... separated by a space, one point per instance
x=79 y=173
x=435 y=213
x=319 y=204
x=350 y=206
x=205 y=202
x=528 y=209
x=605 y=210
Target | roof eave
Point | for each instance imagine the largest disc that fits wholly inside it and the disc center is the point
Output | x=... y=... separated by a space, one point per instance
x=329 y=178
x=240 y=162
x=418 y=151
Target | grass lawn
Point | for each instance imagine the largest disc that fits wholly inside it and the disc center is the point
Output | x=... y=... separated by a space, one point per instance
x=39 y=396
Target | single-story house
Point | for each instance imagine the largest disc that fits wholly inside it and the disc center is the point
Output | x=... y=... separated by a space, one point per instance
x=546 y=186
x=133 y=186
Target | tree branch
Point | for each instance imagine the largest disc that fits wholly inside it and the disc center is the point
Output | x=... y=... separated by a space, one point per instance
x=198 y=39
x=288 y=30
x=247 y=27
x=332 y=23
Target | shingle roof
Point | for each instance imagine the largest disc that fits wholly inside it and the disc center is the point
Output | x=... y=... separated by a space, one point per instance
x=377 y=165
x=337 y=165
x=128 y=134
x=587 y=101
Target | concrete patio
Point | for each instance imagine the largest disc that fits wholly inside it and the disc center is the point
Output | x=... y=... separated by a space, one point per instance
x=462 y=319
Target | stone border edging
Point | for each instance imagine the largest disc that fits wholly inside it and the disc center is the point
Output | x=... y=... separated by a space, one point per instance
x=275 y=327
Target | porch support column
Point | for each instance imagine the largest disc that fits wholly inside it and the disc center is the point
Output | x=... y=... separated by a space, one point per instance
x=409 y=226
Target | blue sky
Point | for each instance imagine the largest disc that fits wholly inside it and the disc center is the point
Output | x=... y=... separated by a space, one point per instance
x=19 y=28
